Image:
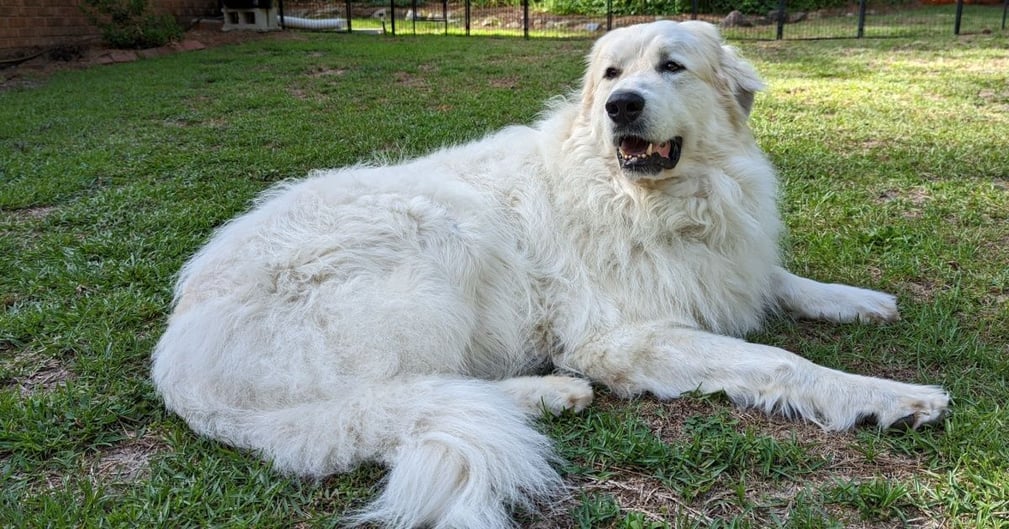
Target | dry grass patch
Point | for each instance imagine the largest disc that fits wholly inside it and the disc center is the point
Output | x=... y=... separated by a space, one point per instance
x=36 y=374
x=912 y=201
x=28 y=214
x=410 y=80
x=127 y=461
x=764 y=496
x=504 y=82
x=922 y=290
x=325 y=71
x=51 y=375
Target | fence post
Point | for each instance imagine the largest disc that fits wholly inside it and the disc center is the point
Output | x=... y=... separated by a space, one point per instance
x=525 y=18
x=413 y=15
x=609 y=15
x=782 y=6
x=392 y=15
x=467 y=16
x=959 y=15
x=693 y=9
x=861 y=18
x=350 y=15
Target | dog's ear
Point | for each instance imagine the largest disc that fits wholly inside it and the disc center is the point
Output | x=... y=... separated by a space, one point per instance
x=589 y=80
x=733 y=73
x=741 y=79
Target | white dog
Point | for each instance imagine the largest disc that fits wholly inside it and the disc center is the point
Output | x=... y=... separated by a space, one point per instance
x=404 y=314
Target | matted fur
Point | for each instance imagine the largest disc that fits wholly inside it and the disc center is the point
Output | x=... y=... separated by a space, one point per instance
x=394 y=313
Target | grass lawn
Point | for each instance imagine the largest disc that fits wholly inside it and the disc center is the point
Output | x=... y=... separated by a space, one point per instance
x=894 y=159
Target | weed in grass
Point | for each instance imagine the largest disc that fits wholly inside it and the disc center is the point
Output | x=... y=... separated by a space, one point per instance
x=877 y=499
x=806 y=512
x=595 y=511
x=637 y=520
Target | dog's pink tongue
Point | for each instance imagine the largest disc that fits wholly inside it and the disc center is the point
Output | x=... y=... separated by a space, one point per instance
x=664 y=148
x=633 y=146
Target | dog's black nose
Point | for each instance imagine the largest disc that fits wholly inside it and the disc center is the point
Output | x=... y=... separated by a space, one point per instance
x=624 y=107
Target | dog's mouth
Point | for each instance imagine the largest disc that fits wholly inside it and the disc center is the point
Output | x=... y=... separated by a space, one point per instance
x=639 y=155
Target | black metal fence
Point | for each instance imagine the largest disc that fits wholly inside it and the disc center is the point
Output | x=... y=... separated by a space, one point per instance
x=739 y=19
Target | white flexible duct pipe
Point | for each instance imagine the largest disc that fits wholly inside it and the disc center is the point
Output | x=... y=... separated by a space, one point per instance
x=314 y=23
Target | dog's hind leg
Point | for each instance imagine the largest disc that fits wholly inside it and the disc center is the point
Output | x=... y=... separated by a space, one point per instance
x=810 y=299
x=554 y=394
x=668 y=361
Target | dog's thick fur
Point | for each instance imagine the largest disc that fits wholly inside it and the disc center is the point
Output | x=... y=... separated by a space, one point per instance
x=402 y=314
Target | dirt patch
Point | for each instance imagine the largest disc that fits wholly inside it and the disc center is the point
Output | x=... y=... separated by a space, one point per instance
x=510 y=82
x=127 y=461
x=299 y=94
x=49 y=375
x=846 y=457
x=324 y=71
x=410 y=80
x=31 y=213
x=913 y=200
x=921 y=290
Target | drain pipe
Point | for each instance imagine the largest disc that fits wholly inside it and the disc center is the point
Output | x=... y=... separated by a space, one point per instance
x=314 y=23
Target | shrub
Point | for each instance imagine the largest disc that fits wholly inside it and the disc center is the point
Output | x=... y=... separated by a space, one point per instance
x=749 y=7
x=619 y=7
x=763 y=7
x=498 y=3
x=677 y=7
x=128 y=24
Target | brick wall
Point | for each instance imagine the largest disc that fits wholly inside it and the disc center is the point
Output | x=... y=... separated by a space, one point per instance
x=35 y=24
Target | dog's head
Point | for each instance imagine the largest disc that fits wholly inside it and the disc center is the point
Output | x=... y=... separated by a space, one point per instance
x=657 y=91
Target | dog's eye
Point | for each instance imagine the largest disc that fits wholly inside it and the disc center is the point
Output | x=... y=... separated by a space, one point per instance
x=672 y=67
x=612 y=73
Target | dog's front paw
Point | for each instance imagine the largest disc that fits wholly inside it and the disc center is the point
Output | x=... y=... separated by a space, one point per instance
x=887 y=404
x=845 y=304
x=553 y=393
x=928 y=405
x=566 y=393
x=876 y=307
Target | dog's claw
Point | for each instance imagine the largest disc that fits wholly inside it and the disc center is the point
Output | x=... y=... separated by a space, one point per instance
x=905 y=423
x=915 y=421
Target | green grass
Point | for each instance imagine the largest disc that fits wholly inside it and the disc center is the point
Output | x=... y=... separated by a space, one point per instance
x=895 y=175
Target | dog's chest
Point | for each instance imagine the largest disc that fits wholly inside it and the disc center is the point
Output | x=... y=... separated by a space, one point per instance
x=690 y=264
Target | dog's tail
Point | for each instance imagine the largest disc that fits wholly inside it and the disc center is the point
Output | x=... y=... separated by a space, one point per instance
x=460 y=452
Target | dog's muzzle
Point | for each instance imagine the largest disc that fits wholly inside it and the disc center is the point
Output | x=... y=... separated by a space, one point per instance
x=640 y=155
x=634 y=152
